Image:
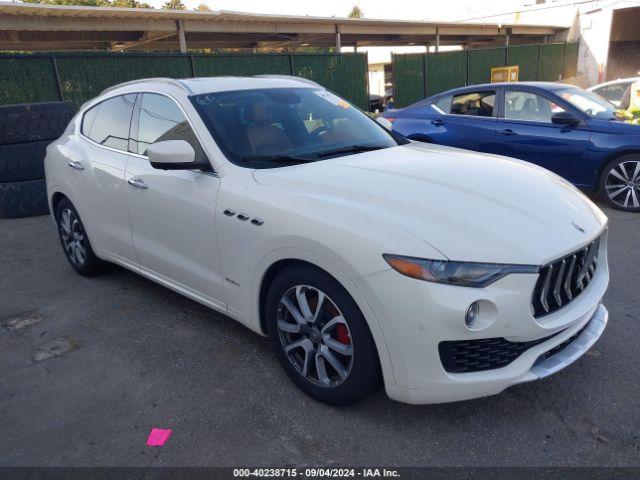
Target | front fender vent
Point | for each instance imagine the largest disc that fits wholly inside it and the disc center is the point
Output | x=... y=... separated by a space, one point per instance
x=563 y=280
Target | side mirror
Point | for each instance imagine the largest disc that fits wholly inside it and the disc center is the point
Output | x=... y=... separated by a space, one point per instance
x=172 y=155
x=565 y=118
x=385 y=123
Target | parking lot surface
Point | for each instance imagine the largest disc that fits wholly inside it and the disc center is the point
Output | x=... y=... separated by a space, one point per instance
x=89 y=365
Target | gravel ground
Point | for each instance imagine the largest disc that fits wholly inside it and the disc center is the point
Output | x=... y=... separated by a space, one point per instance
x=89 y=366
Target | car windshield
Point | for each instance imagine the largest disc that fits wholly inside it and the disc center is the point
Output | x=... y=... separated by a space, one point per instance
x=273 y=127
x=589 y=103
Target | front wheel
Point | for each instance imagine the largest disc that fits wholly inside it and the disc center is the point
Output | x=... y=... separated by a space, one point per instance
x=320 y=337
x=620 y=183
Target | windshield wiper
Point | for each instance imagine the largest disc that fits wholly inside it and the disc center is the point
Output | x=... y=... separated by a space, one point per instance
x=277 y=158
x=350 y=149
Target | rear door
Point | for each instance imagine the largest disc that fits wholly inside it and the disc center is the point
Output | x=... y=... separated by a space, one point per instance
x=525 y=131
x=99 y=173
x=468 y=120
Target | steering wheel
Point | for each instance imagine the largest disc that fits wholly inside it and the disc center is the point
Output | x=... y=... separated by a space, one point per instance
x=315 y=135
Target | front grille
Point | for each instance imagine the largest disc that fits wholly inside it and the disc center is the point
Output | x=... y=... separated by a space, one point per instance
x=564 y=279
x=464 y=356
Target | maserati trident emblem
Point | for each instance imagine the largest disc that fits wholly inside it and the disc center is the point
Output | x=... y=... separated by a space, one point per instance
x=578 y=227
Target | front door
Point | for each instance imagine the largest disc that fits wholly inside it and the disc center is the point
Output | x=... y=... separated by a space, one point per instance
x=527 y=132
x=173 y=211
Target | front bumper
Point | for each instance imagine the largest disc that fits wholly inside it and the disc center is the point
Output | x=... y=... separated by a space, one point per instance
x=415 y=316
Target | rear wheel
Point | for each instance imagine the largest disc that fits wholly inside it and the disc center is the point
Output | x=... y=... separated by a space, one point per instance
x=75 y=242
x=620 y=183
x=320 y=337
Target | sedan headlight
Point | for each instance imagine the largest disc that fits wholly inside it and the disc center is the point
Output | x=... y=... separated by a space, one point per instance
x=465 y=274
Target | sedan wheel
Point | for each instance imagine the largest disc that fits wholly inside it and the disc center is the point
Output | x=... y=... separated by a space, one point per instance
x=315 y=336
x=622 y=184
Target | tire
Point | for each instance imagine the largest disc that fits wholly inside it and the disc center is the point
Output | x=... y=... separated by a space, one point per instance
x=360 y=370
x=86 y=264
x=22 y=162
x=23 y=199
x=33 y=122
x=619 y=192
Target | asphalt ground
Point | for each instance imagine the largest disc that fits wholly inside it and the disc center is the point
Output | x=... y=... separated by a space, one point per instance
x=89 y=365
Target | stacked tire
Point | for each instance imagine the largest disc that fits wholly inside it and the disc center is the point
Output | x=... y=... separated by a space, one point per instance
x=25 y=132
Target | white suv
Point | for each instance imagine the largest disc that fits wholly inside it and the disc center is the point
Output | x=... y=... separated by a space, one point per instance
x=443 y=273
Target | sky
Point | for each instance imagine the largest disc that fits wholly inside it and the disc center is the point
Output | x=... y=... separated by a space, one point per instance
x=388 y=9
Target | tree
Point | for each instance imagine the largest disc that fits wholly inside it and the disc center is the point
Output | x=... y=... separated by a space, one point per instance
x=356 y=12
x=129 y=4
x=94 y=3
x=203 y=7
x=174 y=5
x=84 y=3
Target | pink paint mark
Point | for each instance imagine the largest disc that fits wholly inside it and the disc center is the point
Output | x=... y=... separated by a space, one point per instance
x=158 y=436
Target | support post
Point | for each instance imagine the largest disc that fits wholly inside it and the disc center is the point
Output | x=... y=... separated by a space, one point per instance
x=437 y=47
x=56 y=74
x=181 y=38
x=338 y=40
x=506 y=49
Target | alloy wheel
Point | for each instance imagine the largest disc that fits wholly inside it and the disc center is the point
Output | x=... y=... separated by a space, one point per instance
x=315 y=336
x=73 y=238
x=622 y=184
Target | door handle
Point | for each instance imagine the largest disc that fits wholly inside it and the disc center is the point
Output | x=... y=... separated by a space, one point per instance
x=507 y=131
x=76 y=165
x=437 y=122
x=137 y=183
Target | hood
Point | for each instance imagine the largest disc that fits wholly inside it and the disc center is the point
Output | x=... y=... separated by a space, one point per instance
x=624 y=127
x=467 y=205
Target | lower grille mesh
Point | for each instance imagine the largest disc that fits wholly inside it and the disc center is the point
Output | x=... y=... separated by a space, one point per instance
x=464 y=356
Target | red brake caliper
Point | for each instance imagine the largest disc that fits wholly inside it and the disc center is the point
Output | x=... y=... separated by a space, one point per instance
x=342 y=334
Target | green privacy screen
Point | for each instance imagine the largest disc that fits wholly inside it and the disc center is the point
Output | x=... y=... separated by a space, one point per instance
x=420 y=75
x=78 y=77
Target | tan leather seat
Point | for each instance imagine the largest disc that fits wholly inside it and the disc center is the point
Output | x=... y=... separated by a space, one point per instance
x=263 y=137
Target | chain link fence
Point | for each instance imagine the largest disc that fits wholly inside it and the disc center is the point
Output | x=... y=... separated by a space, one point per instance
x=417 y=76
x=79 y=76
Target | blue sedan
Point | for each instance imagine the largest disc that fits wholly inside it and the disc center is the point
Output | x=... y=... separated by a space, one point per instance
x=563 y=128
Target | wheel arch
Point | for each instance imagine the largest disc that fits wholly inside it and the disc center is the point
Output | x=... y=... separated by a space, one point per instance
x=55 y=200
x=613 y=156
x=279 y=260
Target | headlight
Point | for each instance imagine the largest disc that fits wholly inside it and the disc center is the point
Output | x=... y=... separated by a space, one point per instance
x=465 y=274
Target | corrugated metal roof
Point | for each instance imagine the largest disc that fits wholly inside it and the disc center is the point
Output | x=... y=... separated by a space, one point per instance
x=75 y=11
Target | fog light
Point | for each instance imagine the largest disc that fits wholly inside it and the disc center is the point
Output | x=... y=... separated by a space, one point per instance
x=472 y=314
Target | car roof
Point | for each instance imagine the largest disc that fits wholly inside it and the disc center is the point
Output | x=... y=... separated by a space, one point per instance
x=195 y=86
x=543 y=85
x=613 y=82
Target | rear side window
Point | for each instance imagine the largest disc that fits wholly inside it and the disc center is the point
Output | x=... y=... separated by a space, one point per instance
x=108 y=122
x=162 y=119
x=476 y=104
x=443 y=104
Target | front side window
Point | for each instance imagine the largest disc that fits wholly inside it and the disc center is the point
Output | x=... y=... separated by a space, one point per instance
x=108 y=122
x=475 y=104
x=528 y=106
x=271 y=127
x=161 y=119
